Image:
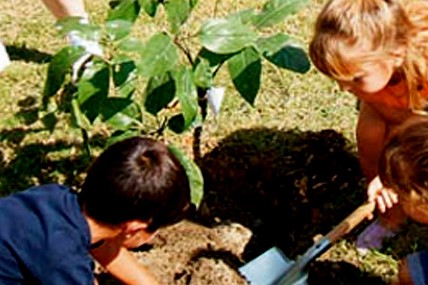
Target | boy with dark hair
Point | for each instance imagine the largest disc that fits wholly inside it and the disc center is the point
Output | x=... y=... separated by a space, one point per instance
x=48 y=233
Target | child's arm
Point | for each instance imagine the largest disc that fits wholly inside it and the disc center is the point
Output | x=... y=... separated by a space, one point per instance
x=122 y=265
x=371 y=135
x=372 y=132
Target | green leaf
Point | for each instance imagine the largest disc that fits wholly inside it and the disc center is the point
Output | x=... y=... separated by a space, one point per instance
x=159 y=56
x=214 y=59
x=186 y=94
x=78 y=118
x=271 y=45
x=126 y=10
x=120 y=58
x=123 y=78
x=123 y=72
x=194 y=174
x=282 y=52
x=159 y=93
x=226 y=35
x=130 y=44
x=59 y=67
x=203 y=75
x=120 y=135
x=149 y=6
x=177 y=11
x=193 y=3
x=275 y=11
x=176 y=124
x=62 y=104
x=291 y=57
x=118 y=29
x=126 y=90
x=245 y=70
x=93 y=88
x=120 y=113
x=68 y=24
x=245 y=16
x=77 y=24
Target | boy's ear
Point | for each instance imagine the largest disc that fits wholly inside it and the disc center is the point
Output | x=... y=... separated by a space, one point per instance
x=134 y=226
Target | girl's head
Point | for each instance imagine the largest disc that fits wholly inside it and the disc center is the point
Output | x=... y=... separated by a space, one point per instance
x=353 y=38
x=403 y=166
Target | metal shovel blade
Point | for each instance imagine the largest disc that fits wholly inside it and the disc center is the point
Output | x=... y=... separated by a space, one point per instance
x=274 y=268
x=268 y=268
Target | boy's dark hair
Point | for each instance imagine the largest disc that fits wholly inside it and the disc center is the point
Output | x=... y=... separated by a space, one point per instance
x=137 y=178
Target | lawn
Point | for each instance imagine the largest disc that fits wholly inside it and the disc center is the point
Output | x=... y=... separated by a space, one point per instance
x=276 y=173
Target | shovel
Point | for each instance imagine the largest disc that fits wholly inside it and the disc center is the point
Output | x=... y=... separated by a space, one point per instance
x=274 y=268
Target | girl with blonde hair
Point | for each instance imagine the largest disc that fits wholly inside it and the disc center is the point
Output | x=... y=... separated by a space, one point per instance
x=377 y=50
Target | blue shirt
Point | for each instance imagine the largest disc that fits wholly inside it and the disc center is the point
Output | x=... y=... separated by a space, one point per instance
x=44 y=238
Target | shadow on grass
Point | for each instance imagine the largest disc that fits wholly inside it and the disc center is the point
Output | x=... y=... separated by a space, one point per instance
x=285 y=186
x=35 y=163
x=27 y=54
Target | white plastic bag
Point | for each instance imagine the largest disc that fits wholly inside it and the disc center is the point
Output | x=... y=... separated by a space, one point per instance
x=4 y=57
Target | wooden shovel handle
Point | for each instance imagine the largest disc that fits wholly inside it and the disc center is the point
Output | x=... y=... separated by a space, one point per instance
x=351 y=221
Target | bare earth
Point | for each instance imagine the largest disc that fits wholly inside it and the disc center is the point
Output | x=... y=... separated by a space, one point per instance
x=263 y=188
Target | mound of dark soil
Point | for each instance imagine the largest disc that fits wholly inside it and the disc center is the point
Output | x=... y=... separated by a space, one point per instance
x=263 y=188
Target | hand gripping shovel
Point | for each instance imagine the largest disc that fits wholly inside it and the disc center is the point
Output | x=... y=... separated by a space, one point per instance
x=274 y=268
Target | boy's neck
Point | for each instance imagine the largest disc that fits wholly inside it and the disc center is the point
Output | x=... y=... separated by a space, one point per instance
x=100 y=231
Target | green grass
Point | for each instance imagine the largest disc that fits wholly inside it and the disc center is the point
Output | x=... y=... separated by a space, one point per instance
x=287 y=101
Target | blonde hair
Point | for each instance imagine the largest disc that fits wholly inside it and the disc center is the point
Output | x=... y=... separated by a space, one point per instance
x=382 y=27
x=403 y=164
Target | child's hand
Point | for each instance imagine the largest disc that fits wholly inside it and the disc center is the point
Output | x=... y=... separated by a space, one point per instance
x=385 y=198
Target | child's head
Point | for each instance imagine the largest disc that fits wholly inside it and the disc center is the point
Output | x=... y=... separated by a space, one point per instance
x=403 y=166
x=136 y=179
x=352 y=38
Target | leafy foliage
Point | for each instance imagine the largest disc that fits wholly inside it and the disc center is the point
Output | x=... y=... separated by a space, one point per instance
x=105 y=91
